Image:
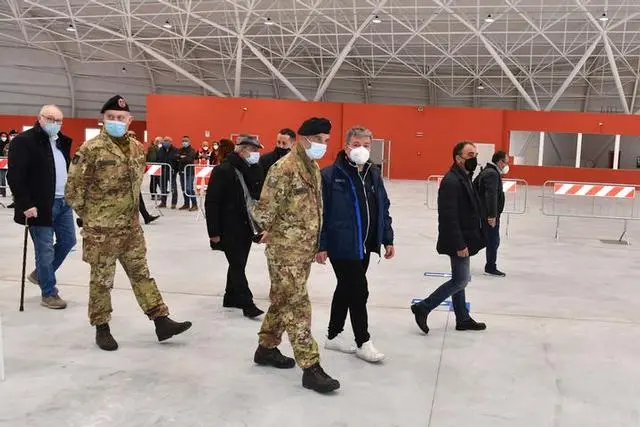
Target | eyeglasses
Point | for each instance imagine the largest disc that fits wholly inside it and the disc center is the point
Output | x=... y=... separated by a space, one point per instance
x=52 y=119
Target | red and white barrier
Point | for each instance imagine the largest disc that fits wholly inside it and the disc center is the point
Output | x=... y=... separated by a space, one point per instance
x=593 y=190
x=4 y=164
x=153 y=170
x=509 y=186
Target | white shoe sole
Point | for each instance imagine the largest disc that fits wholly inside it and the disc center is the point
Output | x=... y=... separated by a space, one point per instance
x=378 y=359
x=494 y=275
x=339 y=349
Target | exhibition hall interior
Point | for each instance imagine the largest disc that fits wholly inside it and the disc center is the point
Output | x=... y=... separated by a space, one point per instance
x=389 y=213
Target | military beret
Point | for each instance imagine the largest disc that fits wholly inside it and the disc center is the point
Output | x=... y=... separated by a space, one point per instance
x=315 y=126
x=117 y=103
x=248 y=140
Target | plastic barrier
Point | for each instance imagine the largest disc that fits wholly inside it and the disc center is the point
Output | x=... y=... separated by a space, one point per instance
x=157 y=180
x=590 y=200
x=200 y=174
x=516 y=193
x=4 y=188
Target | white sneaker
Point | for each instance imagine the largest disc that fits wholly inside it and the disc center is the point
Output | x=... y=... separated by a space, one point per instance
x=369 y=353
x=340 y=344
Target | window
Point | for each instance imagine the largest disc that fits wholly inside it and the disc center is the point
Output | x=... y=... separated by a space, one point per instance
x=90 y=133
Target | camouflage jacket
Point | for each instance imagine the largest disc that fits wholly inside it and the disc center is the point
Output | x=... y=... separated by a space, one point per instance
x=104 y=184
x=290 y=207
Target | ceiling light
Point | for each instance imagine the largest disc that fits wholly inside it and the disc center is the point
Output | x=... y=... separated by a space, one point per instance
x=71 y=29
x=369 y=84
x=376 y=20
x=269 y=22
x=124 y=69
x=480 y=86
x=489 y=19
x=604 y=17
x=167 y=25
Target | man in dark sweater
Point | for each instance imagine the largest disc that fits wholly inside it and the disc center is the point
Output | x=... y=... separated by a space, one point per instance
x=489 y=186
x=356 y=223
x=286 y=139
x=460 y=236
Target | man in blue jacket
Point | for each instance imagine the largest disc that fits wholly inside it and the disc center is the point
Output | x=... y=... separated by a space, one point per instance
x=356 y=222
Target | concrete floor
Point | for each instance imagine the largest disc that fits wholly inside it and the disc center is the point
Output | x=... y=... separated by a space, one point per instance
x=560 y=350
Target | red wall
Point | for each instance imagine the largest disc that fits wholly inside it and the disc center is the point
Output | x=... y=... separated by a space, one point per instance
x=74 y=128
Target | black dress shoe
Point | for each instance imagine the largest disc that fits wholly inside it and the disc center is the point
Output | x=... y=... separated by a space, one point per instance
x=421 y=318
x=150 y=219
x=494 y=272
x=470 y=325
x=252 y=311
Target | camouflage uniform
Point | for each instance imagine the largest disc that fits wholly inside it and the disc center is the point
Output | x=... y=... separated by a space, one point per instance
x=290 y=210
x=104 y=189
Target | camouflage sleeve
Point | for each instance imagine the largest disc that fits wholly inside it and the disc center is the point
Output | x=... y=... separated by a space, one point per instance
x=80 y=174
x=272 y=198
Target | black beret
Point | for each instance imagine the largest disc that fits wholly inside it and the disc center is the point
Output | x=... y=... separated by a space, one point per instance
x=248 y=140
x=315 y=126
x=117 y=103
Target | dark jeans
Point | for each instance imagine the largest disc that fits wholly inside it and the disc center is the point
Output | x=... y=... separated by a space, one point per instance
x=237 y=252
x=3 y=182
x=143 y=209
x=454 y=288
x=493 y=242
x=351 y=296
x=49 y=256
x=186 y=182
x=164 y=187
x=153 y=186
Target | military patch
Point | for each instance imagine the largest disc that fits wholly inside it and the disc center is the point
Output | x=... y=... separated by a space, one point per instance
x=272 y=182
x=76 y=159
x=106 y=162
x=300 y=190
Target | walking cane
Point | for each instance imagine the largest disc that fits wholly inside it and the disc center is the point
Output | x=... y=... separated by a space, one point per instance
x=24 y=262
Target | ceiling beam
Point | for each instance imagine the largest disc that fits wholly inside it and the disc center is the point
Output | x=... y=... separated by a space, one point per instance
x=345 y=51
x=572 y=75
x=492 y=51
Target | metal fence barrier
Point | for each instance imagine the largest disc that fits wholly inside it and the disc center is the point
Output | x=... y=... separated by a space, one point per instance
x=516 y=193
x=198 y=176
x=591 y=200
x=157 y=182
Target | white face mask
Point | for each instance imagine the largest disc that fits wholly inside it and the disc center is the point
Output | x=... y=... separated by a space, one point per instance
x=3 y=139
x=359 y=155
x=505 y=170
x=253 y=158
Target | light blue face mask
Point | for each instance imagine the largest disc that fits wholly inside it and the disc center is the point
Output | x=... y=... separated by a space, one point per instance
x=253 y=158
x=52 y=129
x=316 y=151
x=115 y=128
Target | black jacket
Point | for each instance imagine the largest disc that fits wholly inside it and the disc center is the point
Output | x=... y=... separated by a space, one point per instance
x=168 y=156
x=460 y=222
x=225 y=206
x=32 y=173
x=271 y=158
x=488 y=184
x=185 y=156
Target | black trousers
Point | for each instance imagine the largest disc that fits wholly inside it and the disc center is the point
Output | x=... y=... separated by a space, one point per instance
x=143 y=209
x=237 y=249
x=351 y=296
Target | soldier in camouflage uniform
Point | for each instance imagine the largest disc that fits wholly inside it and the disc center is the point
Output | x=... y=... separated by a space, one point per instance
x=104 y=189
x=290 y=213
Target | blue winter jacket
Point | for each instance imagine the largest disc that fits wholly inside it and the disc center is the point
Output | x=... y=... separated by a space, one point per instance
x=341 y=234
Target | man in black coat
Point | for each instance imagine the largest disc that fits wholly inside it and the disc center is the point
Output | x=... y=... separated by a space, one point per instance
x=460 y=236
x=38 y=165
x=167 y=155
x=489 y=186
x=286 y=139
x=228 y=223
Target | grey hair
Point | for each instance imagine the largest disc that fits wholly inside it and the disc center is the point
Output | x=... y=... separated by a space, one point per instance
x=47 y=108
x=357 y=131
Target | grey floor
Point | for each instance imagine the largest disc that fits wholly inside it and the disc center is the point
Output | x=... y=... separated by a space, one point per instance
x=561 y=347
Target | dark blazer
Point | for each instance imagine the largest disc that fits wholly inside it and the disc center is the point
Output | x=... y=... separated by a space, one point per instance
x=32 y=173
x=489 y=186
x=460 y=221
x=225 y=206
x=271 y=158
x=341 y=234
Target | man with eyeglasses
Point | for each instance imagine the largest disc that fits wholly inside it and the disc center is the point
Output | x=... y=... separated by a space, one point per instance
x=460 y=236
x=37 y=175
x=356 y=224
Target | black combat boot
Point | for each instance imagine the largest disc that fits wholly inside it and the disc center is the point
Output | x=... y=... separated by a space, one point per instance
x=272 y=357
x=104 y=339
x=166 y=328
x=316 y=379
x=421 y=317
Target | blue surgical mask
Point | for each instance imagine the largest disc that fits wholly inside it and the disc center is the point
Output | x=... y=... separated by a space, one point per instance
x=115 y=128
x=253 y=158
x=166 y=145
x=52 y=129
x=316 y=151
x=185 y=144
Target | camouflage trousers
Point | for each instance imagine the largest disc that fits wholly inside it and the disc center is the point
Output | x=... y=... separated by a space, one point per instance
x=290 y=310
x=102 y=251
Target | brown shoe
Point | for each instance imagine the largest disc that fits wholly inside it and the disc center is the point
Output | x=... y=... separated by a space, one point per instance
x=173 y=206
x=162 y=205
x=33 y=278
x=193 y=209
x=54 y=302
x=184 y=208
